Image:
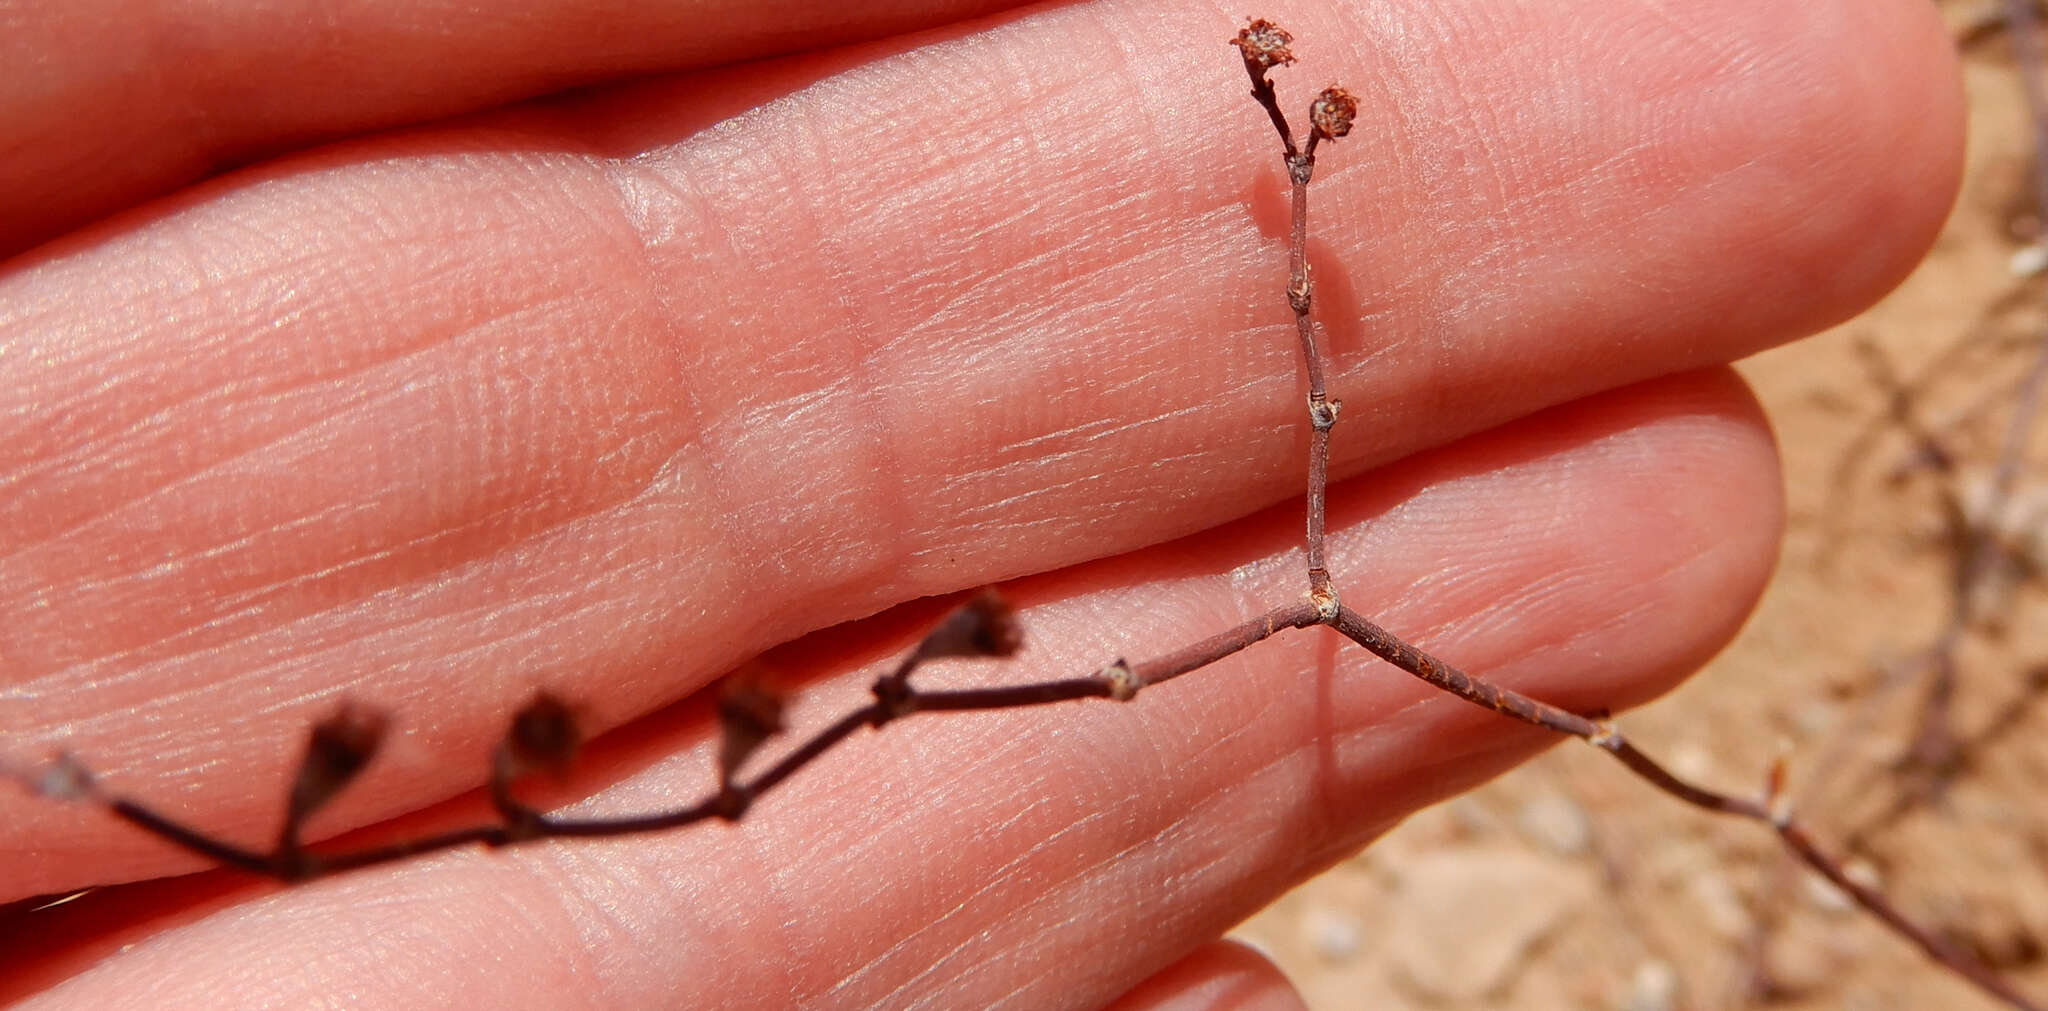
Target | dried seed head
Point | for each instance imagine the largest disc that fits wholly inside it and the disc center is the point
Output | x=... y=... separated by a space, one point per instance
x=543 y=736
x=337 y=749
x=1264 y=44
x=984 y=626
x=1333 y=111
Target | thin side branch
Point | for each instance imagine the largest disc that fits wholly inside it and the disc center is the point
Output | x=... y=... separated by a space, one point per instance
x=1264 y=46
x=543 y=737
x=1605 y=735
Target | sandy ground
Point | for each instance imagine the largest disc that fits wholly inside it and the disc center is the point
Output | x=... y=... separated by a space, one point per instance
x=1569 y=884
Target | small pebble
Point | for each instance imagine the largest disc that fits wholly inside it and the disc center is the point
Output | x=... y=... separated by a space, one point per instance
x=1816 y=719
x=1465 y=921
x=1653 y=987
x=1691 y=762
x=1719 y=907
x=1333 y=934
x=1556 y=823
x=2027 y=261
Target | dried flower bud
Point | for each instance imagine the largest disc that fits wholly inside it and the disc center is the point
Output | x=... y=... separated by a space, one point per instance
x=543 y=736
x=337 y=749
x=1264 y=44
x=984 y=626
x=1333 y=111
x=749 y=714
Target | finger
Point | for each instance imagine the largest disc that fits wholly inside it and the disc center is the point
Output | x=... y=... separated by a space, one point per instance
x=114 y=102
x=1056 y=858
x=1218 y=975
x=473 y=420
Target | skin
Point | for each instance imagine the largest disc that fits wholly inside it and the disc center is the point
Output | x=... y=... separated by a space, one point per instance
x=614 y=392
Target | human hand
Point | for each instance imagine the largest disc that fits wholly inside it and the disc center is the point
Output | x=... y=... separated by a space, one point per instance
x=610 y=393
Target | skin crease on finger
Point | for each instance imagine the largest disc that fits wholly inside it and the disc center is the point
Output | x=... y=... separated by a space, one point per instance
x=610 y=394
x=1595 y=553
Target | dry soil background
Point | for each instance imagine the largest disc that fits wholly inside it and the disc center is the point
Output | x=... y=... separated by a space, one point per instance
x=1569 y=884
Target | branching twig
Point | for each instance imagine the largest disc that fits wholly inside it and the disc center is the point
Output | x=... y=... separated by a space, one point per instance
x=1264 y=46
x=544 y=736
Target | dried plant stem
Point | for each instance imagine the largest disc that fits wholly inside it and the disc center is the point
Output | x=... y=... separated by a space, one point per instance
x=1191 y=658
x=1322 y=411
x=1606 y=736
x=1264 y=46
x=543 y=736
x=2024 y=25
x=896 y=698
x=1935 y=743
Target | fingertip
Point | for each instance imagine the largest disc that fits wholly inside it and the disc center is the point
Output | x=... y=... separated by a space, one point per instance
x=1853 y=114
x=1224 y=975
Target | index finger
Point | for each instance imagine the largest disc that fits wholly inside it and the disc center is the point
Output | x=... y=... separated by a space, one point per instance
x=107 y=103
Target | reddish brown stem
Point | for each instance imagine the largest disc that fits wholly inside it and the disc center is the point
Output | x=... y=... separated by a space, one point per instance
x=1606 y=736
x=1264 y=46
x=896 y=698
